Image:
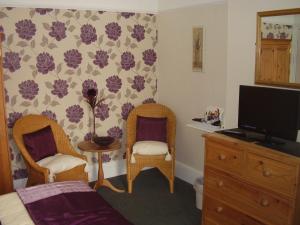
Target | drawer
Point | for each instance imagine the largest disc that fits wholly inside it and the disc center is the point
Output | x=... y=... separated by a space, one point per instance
x=247 y=198
x=218 y=213
x=271 y=174
x=224 y=157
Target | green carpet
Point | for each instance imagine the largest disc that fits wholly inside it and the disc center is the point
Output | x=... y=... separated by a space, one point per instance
x=151 y=202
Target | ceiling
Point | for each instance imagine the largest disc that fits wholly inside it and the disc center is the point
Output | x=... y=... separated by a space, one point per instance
x=151 y=6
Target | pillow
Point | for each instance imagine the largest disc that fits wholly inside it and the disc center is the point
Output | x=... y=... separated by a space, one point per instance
x=40 y=143
x=59 y=163
x=151 y=129
x=150 y=148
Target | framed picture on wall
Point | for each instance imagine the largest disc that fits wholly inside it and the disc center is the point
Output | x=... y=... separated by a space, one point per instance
x=198 y=49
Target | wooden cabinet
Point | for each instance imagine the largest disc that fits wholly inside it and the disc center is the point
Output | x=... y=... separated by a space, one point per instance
x=247 y=184
x=5 y=167
x=275 y=60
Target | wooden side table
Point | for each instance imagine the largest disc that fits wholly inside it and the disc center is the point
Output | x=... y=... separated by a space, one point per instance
x=89 y=146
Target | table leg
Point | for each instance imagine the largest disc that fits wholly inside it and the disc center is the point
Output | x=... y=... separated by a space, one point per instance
x=101 y=181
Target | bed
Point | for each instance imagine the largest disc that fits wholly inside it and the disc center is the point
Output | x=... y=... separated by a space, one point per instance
x=60 y=203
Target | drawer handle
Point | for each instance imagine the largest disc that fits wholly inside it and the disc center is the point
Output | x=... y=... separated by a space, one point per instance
x=222 y=157
x=264 y=203
x=219 y=209
x=220 y=183
x=267 y=173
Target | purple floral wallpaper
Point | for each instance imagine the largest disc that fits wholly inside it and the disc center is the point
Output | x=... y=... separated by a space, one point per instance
x=276 y=31
x=51 y=57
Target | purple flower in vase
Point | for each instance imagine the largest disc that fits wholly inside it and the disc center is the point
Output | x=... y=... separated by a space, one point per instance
x=45 y=63
x=58 y=30
x=25 y=29
x=127 y=60
x=126 y=109
x=106 y=158
x=88 y=34
x=149 y=57
x=28 y=89
x=113 y=83
x=89 y=85
x=138 y=83
x=138 y=32
x=74 y=113
x=149 y=100
x=12 y=61
x=51 y=115
x=12 y=118
x=115 y=132
x=113 y=31
x=101 y=59
x=60 y=88
x=43 y=11
x=102 y=111
x=73 y=58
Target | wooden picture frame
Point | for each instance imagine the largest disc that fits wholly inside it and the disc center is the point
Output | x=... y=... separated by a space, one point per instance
x=198 y=40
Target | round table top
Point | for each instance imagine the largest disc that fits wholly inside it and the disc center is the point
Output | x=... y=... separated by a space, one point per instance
x=89 y=146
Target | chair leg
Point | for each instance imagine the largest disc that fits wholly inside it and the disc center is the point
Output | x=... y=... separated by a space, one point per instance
x=171 y=183
x=129 y=186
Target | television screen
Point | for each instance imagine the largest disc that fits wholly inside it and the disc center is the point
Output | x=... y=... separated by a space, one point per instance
x=271 y=111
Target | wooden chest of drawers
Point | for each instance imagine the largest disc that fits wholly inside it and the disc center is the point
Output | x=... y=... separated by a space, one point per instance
x=246 y=184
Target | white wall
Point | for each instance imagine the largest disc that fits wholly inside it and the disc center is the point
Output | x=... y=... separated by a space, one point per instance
x=150 y=6
x=241 y=47
x=188 y=93
x=175 y=4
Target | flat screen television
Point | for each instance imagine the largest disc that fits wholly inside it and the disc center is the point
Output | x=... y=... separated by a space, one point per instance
x=270 y=111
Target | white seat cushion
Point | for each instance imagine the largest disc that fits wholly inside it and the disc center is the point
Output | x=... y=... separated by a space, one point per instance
x=59 y=163
x=150 y=148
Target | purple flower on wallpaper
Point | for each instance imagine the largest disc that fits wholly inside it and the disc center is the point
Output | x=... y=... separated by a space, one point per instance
x=60 y=88
x=127 y=14
x=88 y=136
x=115 y=132
x=6 y=95
x=283 y=35
x=138 y=32
x=138 y=83
x=106 y=158
x=113 y=83
x=102 y=111
x=94 y=159
x=58 y=30
x=149 y=57
x=11 y=61
x=149 y=100
x=101 y=59
x=51 y=115
x=73 y=58
x=43 y=11
x=28 y=89
x=88 y=84
x=113 y=31
x=127 y=60
x=126 y=109
x=26 y=29
x=74 y=113
x=88 y=34
x=3 y=34
x=45 y=63
x=20 y=174
x=12 y=118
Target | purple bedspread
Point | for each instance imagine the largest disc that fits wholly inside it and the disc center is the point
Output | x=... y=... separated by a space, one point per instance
x=63 y=206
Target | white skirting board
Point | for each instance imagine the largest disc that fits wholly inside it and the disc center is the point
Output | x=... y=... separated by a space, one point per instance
x=116 y=168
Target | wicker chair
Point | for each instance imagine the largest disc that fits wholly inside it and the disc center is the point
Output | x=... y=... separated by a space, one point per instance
x=36 y=173
x=158 y=161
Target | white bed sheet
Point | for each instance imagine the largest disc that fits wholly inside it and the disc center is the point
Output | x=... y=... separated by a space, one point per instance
x=12 y=210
